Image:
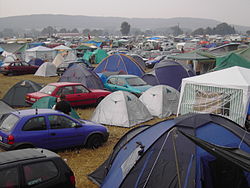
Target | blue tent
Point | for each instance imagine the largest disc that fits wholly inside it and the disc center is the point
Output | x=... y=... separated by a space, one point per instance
x=168 y=72
x=119 y=63
x=36 y=61
x=192 y=151
x=80 y=74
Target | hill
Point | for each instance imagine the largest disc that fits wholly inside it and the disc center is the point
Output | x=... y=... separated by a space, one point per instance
x=40 y=21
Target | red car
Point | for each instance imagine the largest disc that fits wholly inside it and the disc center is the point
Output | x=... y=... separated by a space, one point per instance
x=16 y=68
x=76 y=93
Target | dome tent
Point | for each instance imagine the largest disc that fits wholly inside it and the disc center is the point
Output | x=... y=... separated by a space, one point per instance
x=46 y=69
x=180 y=152
x=119 y=62
x=121 y=108
x=161 y=100
x=168 y=72
x=80 y=74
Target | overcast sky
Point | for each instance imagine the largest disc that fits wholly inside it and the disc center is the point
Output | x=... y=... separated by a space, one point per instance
x=230 y=11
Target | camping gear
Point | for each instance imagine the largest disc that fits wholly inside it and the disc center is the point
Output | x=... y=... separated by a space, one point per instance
x=121 y=108
x=78 y=73
x=118 y=63
x=167 y=155
x=225 y=92
x=46 y=69
x=15 y=96
x=49 y=102
x=161 y=100
x=168 y=72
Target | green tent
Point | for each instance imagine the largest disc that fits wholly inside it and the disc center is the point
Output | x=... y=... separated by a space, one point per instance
x=245 y=53
x=87 y=55
x=100 y=54
x=49 y=102
x=230 y=61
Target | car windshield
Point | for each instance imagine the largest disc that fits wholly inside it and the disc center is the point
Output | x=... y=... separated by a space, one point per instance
x=136 y=81
x=8 y=121
x=48 y=89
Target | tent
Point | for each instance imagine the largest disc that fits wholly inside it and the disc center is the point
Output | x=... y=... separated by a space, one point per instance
x=139 y=60
x=58 y=60
x=230 y=61
x=121 y=108
x=46 y=69
x=48 y=103
x=225 y=92
x=161 y=100
x=70 y=57
x=168 y=72
x=119 y=62
x=62 y=48
x=36 y=61
x=41 y=52
x=99 y=54
x=167 y=155
x=5 y=108
x=80 y=74
x=15 y=96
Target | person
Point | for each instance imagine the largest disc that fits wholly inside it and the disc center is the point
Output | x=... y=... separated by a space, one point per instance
x=63 y=105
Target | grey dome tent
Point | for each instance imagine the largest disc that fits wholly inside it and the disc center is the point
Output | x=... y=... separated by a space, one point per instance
x=80 y=74
x=191 y=151
x=15 y=96
x=161 y=100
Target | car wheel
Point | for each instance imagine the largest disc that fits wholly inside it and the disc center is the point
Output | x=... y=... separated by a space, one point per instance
x=94 y=141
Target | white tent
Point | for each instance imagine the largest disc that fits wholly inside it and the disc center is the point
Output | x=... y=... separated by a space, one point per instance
x=62 y=48
x=58 y=60
x=70 y=57
x=225 y=92
x=161 y=100
x=121 y=108
x=40 y=52
x=46 y=69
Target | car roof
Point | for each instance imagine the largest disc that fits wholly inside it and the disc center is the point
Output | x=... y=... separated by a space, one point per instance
x=28 y=112
x=25 y=154
x=64 y=83
x=124 y=76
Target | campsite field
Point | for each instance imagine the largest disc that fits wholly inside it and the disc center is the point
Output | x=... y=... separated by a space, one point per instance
x=82 y=161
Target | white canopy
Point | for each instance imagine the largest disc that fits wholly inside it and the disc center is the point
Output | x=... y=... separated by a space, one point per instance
x=62 y=47
x=225 y=92
x=39 y=49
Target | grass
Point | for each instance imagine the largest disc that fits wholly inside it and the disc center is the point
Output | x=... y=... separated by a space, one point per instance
x=81 y=161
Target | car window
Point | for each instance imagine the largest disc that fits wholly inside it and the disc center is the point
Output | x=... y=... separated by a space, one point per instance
x=60 y=122
x=48 y=89
x=121 y=82
x=136 y=81
x=39 y=172
x=9 y=177
x=66 y=90
x=35 y=124
x=8 y=121
x=112 y=81
x=80 y=89
x=25 y=64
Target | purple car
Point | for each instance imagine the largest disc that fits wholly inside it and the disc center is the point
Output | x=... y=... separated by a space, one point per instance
x=49 y=129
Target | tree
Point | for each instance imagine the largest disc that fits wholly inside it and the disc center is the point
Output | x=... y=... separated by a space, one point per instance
x=63 y=30
x=176 y=30
x=75 y=31
x=49 y=31
x=199 y=31
x=125 y=28
x=248 y=32
x=224 y=29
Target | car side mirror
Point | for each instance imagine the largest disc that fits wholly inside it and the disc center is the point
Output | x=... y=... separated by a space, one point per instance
x=76 y=125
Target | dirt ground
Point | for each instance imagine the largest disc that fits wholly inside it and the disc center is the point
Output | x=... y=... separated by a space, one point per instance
x=82 y=161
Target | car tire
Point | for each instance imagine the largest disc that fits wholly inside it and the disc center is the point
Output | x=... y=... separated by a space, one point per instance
x=94 y=141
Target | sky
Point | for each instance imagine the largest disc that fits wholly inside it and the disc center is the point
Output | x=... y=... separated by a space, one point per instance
x=229 y=11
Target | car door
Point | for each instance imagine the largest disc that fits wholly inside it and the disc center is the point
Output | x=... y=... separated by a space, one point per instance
x=34 y=131
x=64 y=133
x=83 y=96
x=68 y=91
